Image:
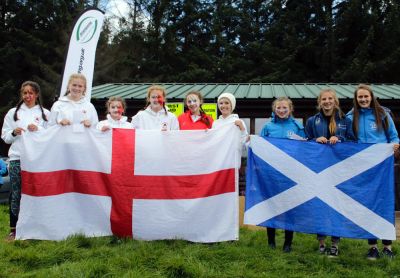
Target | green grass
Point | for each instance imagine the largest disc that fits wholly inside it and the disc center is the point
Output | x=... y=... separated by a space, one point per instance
x=249 y=257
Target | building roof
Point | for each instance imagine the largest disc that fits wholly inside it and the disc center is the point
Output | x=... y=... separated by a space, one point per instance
x=242 y=90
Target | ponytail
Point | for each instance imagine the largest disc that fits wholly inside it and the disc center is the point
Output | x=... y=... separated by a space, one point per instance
x=16 y=110
x=41 y=108
x=204 y=118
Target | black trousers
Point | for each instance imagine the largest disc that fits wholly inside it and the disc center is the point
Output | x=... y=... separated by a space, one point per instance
x=375 y=241
x=271 y=236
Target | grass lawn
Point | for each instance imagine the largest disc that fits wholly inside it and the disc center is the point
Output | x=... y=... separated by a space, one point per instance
x=249 y=257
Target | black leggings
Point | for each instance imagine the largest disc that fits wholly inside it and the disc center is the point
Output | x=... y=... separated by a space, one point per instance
x=271 y=236
x=15 y=191
x=375 y=241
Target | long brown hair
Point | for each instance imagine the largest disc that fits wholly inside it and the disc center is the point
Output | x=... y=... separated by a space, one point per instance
x=36 y=88
x=381 y=120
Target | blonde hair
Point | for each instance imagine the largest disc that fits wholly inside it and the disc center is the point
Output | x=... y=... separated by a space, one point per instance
x=76 y=76
x=111 y=99
x=156 y=88
x=289 y=102
x=336 y=109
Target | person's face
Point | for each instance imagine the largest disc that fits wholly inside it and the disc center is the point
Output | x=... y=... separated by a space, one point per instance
x=76 y=88
x=116 y=110
x=193 y=103
x=327 y=102
x=282 y=109
x=156 y=100
x=29 y=96
x=224 y=105
x=364 y=98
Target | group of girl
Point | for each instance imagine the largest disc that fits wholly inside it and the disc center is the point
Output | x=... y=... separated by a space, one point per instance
x=367 y=122
x=73 y=109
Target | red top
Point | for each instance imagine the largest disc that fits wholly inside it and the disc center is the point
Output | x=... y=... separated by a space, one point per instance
x=186 y=122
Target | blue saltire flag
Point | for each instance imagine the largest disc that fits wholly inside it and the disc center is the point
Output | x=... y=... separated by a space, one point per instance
x=345 y=190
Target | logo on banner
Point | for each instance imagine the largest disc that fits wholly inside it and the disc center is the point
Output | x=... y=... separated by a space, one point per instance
x=82 y=48
x=86 y=29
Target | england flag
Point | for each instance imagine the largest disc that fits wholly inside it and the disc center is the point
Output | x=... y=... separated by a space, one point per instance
x=145 y=184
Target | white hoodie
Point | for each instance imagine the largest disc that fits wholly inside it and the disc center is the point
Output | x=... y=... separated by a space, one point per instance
x=230 y=120
x=110 y=122
x=26 y=116
x=148 y=119
x=74 y=111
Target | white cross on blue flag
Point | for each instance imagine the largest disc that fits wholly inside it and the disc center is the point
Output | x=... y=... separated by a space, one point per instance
x=345 y=190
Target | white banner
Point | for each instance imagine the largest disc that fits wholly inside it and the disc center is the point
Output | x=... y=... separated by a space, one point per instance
x=82 y=48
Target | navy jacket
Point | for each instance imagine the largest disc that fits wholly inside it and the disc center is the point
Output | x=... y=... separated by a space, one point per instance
x=317 y=126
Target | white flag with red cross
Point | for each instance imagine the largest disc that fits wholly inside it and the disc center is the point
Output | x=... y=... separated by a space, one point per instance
x=143 y=184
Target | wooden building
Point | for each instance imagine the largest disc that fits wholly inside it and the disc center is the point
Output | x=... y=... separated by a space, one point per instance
x=253 y=100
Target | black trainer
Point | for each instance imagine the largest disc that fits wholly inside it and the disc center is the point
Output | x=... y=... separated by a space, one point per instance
x=272 y=245
x=373 y=254
x=333 y=252
x=322 y=249
x=287 y=248
x=386 y=252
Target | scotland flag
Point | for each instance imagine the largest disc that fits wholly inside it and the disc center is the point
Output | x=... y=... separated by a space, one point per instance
x=345 y=190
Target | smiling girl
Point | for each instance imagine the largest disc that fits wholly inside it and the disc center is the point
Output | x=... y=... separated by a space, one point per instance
x=73 y=108
x=115 y=107
x=226 y=105
x=155 y=115
x=330 y=125
x=373 y=124
x=28 y=116
x=282 y=125
x=194 y=117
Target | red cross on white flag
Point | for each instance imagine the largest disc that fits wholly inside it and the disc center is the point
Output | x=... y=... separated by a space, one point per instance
x=145 y=184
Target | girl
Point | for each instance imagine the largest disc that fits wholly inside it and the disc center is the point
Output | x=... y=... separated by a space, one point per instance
x=282 y=125
x=115 y=107
x=27 y=116
x=372 y=124
x=226 y=105
x=73 y=108
x=330 y=125
x=194 y=117
x=155 y=115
